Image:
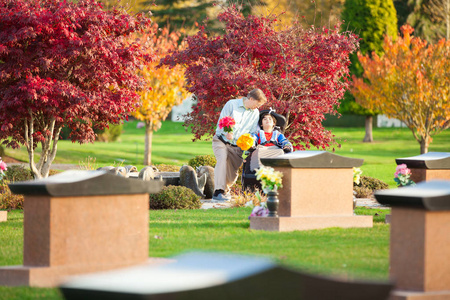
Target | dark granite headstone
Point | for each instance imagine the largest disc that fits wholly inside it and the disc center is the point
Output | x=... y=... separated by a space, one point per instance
x=312 y=159
x=219 y=276
x=84 y=183
x=430 y=160
x=432 y=195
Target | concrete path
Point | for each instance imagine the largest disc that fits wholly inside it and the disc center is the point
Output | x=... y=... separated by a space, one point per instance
x=362 y=202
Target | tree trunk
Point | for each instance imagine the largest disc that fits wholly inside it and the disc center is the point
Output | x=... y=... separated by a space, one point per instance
x=368 y=138
x=424 y=143
x=447 y=19
x=148 y=145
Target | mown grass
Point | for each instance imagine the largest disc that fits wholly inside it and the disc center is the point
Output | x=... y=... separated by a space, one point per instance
x=353 y=253
x=361 y=253
x=389 y=144
x=174 y=146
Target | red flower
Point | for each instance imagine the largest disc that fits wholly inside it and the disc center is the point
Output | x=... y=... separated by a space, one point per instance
x=227 y=123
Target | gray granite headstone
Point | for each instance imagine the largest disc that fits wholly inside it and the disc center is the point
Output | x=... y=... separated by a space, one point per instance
x=312 y=159
x=431 y=195
x=430 y=160
x=85 y=183
x=219 y=277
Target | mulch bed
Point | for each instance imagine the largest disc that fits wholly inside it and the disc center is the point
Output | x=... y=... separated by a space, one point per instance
x=8 y=159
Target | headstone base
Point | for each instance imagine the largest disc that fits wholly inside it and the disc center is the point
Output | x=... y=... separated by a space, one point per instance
x=3 y=216
x=54 y=276
x=408 y=295
x=309 y=222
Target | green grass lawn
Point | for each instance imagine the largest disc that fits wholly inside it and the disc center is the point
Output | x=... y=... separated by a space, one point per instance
x=173 y=145
x=389 y=144
x=361 y=253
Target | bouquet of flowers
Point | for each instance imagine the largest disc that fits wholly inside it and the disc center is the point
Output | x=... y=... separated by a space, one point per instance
x=270 y=179
x=402 y=175
x=357 y=175
x=245 y=141
x=260 y=211
x=3 y=168
x=227 y=123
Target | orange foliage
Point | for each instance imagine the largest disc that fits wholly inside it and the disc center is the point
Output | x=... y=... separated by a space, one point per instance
x=165 y=85
x=410 y=82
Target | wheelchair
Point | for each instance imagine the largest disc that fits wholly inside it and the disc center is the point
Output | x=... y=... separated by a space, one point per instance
x=248 y=177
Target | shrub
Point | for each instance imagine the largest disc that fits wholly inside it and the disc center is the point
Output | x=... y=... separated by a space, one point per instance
x=18 y=173
x=53 y=172
x=373 y=183
x=110 y=134
x=362 y=192
x=9 y=200
x=202 y=160
x=175 y=197
x=368 y=185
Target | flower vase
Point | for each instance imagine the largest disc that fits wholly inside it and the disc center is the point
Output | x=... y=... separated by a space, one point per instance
x=272 y=203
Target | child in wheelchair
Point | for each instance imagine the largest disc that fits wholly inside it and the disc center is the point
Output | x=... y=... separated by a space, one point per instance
x=269 y=142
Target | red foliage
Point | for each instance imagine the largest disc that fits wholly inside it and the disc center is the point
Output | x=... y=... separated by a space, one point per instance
x=67 y=62
x=302 y=72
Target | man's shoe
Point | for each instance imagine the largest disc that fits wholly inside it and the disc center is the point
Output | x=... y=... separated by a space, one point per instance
x=220 y=198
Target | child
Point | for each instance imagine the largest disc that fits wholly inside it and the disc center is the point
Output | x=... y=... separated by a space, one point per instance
x=268 y=135
x=274 y=142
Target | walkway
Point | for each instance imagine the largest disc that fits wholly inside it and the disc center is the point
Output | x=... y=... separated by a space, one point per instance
x=363 y=202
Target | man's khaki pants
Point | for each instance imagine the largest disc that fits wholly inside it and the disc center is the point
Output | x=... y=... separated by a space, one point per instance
x=229 y=159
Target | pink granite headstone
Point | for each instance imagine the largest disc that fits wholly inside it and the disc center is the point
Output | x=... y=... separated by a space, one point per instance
x=420 y=240
x=79 y=222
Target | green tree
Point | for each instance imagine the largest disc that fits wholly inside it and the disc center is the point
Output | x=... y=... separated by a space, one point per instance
x=372 y=20
x=439 y=11
x=403 y=11
x=430 y=19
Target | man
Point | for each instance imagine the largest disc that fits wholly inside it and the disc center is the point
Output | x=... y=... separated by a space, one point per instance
x=245 y=113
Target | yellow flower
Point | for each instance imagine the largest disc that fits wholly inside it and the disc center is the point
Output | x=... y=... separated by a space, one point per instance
x=269 y=178
x=245 y=141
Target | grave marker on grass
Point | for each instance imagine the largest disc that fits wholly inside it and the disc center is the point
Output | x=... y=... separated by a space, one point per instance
x=428 y=166
x=317 y=193
x=221 y=277
x=79 y=222
x=420 y=240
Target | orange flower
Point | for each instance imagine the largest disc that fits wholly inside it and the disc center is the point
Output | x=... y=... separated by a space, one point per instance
x=245 y=141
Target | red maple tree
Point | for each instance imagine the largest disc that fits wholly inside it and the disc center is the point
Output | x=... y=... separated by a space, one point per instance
x=64 y=64
x=302 y=71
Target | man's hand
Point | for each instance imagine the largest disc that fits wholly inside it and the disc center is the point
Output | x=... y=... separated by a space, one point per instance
x=229 y=136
